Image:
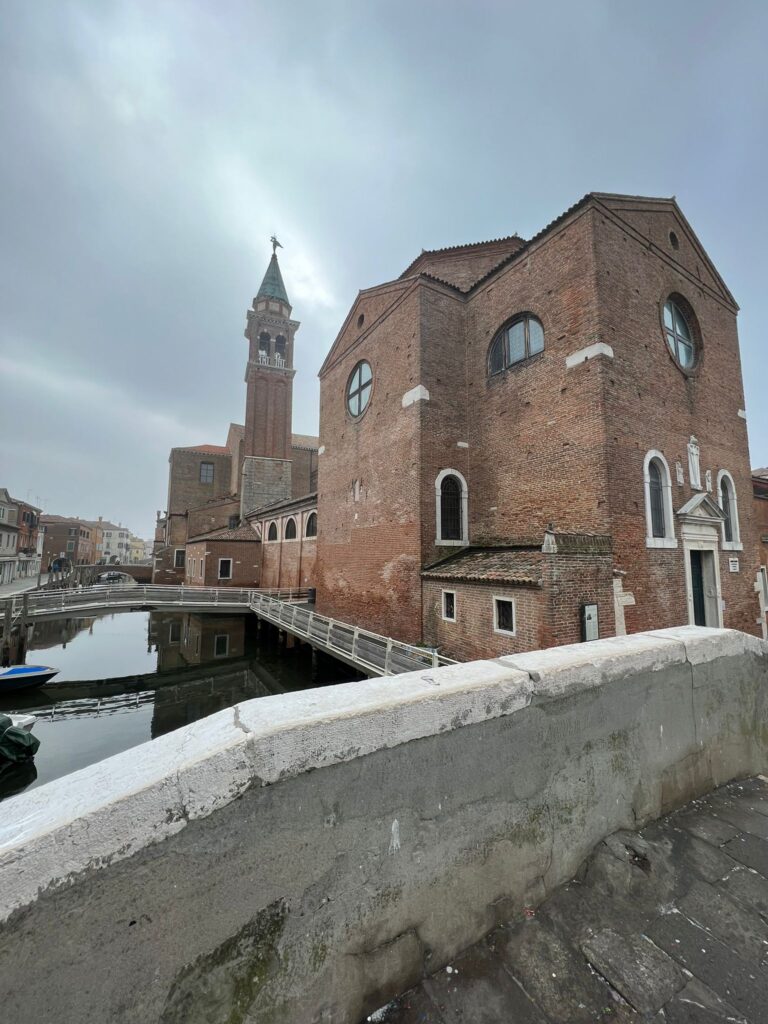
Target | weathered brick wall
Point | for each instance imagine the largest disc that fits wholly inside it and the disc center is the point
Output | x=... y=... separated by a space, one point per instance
x=570 y=581
x=211 y=517
x=536 y=431
x=246 y=563
x=472 y=636
x=761 y=523
x=303 y=472
x=651 y=404
x=264 y=481
x=289 y=563
x=368 y=557
x=184 y=487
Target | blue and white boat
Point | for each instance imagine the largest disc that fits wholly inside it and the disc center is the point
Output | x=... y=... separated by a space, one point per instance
x=22 y=677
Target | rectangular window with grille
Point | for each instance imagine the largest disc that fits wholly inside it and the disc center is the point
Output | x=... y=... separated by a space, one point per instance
x=221 y=645
x=225 y=568
x=449 y=605
x=206 y=472
x=179 y=557
x=504 y=615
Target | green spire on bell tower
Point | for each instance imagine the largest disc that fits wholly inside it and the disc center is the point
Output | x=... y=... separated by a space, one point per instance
x=272 y=286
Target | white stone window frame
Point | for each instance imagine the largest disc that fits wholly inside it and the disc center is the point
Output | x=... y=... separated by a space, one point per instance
x=668 y=540
x=286 y=538
x=735 y=544
x=443 y=616
x=225 y=652
x=509 y=600
x=270 y=524
x=176 y=552
x=464 y=541
x=231 y=568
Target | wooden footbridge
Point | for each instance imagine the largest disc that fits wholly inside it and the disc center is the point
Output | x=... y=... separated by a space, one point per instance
x=368 y=652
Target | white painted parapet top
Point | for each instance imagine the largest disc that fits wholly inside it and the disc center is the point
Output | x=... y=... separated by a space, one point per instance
x=742 y=413
x=417 y=394
x=598 y=349
x=111 y=810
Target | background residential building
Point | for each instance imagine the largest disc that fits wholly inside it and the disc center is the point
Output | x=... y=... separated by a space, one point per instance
x=9 y=535
x=67 y=540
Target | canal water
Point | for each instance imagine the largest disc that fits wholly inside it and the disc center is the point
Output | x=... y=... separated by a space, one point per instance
x=130 y=677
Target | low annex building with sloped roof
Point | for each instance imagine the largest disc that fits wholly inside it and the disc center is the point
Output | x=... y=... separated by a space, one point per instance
x=585 y=382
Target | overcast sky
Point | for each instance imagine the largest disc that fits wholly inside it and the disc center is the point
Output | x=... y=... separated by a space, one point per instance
x=149 y=149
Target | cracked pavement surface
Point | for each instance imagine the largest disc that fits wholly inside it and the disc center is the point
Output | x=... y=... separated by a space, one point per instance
x=668 y=924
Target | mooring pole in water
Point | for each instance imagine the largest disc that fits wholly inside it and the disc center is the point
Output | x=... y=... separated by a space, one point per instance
x=24 y=612
x=8 y=618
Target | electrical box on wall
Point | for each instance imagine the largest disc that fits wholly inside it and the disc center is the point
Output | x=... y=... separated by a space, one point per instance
x=590 y=628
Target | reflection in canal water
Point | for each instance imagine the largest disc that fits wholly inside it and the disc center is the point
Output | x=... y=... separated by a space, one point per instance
x=130 y=677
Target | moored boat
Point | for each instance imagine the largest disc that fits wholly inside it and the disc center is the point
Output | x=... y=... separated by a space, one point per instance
x=21 y=677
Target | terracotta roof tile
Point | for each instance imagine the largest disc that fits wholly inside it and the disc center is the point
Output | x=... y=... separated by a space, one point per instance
x=490 y=565
x=227 y=533
x=206 y=449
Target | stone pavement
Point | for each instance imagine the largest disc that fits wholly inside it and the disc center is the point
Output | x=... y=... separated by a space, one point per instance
x=20 y=586
x=668 y=925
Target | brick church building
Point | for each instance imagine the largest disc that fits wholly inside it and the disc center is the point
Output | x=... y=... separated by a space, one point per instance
x=524 y=444
x=529 y=443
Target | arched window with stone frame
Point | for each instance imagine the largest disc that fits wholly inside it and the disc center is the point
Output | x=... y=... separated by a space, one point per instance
x=272 y=531
x=290 y=529
x=729 y=505
x=659 y=517
x=451 y=509
x=310 y=530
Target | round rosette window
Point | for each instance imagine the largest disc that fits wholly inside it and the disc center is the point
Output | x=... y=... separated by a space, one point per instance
x=359 y=389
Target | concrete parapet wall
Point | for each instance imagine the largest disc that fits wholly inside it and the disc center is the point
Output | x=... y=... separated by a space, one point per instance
x=302 y=857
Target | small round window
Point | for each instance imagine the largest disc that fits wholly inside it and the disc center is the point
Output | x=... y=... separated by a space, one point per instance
x=679 y=335
x=359 y=389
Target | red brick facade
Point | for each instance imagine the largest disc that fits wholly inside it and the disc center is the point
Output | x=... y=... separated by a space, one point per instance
x=562 y=436
x=287 y=552
x=225 y=558
x=760 y=498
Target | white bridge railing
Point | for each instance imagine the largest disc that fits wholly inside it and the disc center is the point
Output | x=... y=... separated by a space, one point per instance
x=371 y=652
x=379 y=655
x=48 y=602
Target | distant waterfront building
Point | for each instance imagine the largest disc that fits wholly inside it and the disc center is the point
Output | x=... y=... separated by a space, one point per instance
x=9 y=535
x=111 y=543
x=30 y=540
x=68 y=541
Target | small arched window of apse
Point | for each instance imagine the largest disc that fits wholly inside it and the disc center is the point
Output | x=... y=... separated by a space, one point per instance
x=311 y=528
x=673 y=240
x=264 y=340
x=451 y=508
x=272 y=531
x=656 y=483
x=290 y=530
x=659 y=521
x=726 y=493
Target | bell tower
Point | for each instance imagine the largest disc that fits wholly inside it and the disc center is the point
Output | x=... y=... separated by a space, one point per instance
x=266 y=451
